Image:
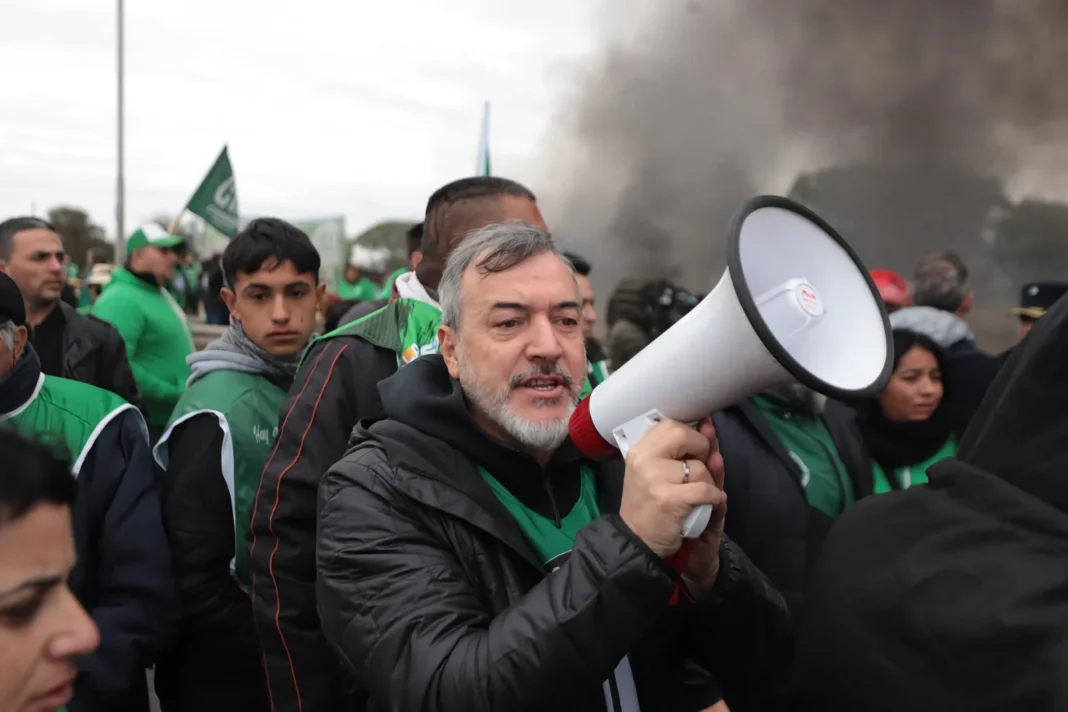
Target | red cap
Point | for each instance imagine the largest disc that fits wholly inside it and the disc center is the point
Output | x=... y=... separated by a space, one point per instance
x=892 y=288
x=585 y=436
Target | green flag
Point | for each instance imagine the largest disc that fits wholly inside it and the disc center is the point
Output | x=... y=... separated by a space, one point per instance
x=216 y=198
x=483 y=168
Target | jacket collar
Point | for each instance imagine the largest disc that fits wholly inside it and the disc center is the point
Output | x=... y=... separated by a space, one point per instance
x=21 y=384
x=435 y=474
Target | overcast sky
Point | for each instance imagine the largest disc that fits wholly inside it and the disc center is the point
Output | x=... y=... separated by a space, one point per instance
x=360 y=108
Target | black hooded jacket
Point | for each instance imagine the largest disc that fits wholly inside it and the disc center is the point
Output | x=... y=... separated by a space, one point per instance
x=438 y=602
x=954 y=595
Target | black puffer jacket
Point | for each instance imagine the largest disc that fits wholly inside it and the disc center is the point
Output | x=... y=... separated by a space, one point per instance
x=94 y=353
x=439 y=603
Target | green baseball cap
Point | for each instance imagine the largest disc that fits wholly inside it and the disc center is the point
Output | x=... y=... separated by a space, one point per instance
x=152 y=235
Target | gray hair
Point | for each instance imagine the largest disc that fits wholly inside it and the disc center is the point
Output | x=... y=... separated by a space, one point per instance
x=8 y=333
x=941 y=282
x=497 y=248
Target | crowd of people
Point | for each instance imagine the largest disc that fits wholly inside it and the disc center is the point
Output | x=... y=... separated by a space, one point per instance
x=369 y=501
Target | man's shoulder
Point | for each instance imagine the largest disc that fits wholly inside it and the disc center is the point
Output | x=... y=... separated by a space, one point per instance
x=89 y=324
x=347 y=352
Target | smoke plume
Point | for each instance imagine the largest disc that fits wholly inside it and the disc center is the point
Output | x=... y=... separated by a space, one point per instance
x=696 y=106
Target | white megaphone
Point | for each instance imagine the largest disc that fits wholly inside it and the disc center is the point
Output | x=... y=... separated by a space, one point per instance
x=794 y=305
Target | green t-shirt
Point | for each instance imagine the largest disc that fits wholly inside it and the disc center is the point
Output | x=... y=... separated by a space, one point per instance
x=550 y=543
x=914 y=474
x=362 y=289
x=553 y=545
x=805 y=436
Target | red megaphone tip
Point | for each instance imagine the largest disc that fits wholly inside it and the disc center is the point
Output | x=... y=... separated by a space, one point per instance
x=585 y=436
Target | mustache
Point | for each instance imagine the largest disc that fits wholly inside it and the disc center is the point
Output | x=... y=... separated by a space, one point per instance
x=544 y=369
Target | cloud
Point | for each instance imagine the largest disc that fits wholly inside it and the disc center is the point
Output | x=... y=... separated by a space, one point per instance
x=328 y=107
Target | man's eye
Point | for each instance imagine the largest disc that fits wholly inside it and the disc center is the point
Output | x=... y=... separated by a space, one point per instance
x=569 y=321
x=508 y=324
x=22 y=612
x=259 y=296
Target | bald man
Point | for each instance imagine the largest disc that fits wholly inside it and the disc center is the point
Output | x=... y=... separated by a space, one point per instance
x=335 y=388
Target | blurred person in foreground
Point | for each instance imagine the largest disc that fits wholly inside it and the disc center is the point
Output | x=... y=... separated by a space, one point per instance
x=44 y=631
x=335 y=388
x=123 y=574
x=72 y=345
x=954 y=595
x=493 y=568
x=153 y=326
x=596 y=360
x=910 y=425
x=943 y=299
x=213 y=452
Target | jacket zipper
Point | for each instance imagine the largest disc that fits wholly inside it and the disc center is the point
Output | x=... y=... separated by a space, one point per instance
x=552 y=500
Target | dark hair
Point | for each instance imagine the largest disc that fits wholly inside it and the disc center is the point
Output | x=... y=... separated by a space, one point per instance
x=580 y=263
x=477 y=188
x=31 y=475
x=905 y=340
x=940 y=281
x=271 y=239
x=415 y=238
x=12 y=226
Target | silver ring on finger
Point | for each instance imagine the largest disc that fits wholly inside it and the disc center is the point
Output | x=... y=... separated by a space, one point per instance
x=685 y=472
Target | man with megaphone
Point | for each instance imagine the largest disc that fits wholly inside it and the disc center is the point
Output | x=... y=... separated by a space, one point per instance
x=471 y=559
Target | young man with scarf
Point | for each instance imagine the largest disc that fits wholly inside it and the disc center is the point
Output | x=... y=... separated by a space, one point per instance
x=335 y=388
x=470 y=559
x=123 y=575
x=213 y=451
x=152 y=324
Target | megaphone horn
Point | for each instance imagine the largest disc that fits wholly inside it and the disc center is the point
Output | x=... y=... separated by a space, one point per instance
x=794 y=305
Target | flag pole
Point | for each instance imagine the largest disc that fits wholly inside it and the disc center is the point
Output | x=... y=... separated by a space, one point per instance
x=120 y=183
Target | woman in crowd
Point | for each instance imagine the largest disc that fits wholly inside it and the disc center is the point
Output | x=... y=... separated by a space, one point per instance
x=43 y=629
x=910 y=425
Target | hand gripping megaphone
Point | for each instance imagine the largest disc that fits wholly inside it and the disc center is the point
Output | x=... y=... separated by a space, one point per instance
x=794 y=305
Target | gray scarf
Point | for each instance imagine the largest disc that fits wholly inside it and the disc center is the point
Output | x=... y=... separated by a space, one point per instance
x=234 y=351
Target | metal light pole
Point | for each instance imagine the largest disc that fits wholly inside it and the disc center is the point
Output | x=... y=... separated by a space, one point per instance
x=120 y=186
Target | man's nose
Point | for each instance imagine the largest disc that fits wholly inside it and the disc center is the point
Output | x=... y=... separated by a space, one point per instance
x=544 y=343
x=279 y=312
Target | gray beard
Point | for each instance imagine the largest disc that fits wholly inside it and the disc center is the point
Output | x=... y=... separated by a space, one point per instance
x=542 y=437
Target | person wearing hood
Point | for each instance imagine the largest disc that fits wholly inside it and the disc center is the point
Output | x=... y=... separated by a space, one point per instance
x=954 y=595
x=335 y=388
x=491 y=566
x=943 y=299
x=213 y=451
x=123 y=573
x=911 y=424
x=152 y=324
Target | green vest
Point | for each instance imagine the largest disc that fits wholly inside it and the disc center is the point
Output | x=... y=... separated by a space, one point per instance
x=68 y=415
x=915 y=474
x=407 y=327
x=553 y=546
x=246 y=406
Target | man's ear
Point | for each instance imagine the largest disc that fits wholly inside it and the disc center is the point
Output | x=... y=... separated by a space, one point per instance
x=966 y=304
x=414 y=260
x=449 y=347
x=3 y=266
x=230 y=299
x=320 y=294
x=22 y=335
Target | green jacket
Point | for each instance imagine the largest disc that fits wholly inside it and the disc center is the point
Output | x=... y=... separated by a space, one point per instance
x=363 y=290
x=157 y=337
